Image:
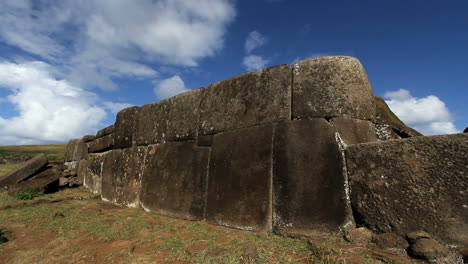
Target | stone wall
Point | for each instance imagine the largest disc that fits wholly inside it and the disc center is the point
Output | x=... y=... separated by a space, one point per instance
x=262 y=151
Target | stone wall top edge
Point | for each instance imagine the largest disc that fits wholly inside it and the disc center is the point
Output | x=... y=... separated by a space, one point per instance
x=411 y=140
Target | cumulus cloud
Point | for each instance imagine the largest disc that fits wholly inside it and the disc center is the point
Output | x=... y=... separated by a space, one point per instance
x=49 y=109
x=254 y=40
x=170 y=87
x=429 y=114
x=254 y=62
x=97 y=41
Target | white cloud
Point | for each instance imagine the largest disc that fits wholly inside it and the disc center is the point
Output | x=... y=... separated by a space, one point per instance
x=49 y=109
x=170 y=87
x=97 y=41
x=254 y=40
x=254 y=62
x=116 y=107
x=429 y=115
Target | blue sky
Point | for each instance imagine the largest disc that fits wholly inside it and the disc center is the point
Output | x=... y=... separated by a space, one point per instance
x=67 y=67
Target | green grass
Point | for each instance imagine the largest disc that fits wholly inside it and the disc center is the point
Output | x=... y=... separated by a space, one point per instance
x=28 y=193
x=5 y=168
x=53 y=152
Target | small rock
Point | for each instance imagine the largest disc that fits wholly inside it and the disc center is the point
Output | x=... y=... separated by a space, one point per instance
x=358 y=236
x=428 y=249
x=216 y=253
x=412 y=237
x=58 y=214
x=63 y=182
x=391 y=241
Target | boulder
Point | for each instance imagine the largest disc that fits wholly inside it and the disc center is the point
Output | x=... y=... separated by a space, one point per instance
x=354 y=131
x=335 y=86
x=101 y=144
x=76 y=150
x=105 y=131
x=121 y=175
x=428 y=249
x=46 y=182
x=391 y=241
x=309 y=195
x=174 y=181
x=92 y=173
x=388 y=125
x=254 y=98
x=125 y=127
x=239 y=185
x=88 y=138
x=412 y=237
x=412 y=184
x=25 y=171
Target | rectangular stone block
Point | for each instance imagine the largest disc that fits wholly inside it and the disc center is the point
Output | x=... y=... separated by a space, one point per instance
x=76 y=150
x=81 y=170
x=239 y=188
x=25 y=171
x=125 y=126
x=101 y=144
x=333 y=86
x=309 y=196
x=121 y=175
x=92 y=178
x=354 y=131
x=259 y=97
x=174 y=182
x=105 y=131
x=412 y=184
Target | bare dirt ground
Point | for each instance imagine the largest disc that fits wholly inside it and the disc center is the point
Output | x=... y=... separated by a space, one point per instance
x=73 y=227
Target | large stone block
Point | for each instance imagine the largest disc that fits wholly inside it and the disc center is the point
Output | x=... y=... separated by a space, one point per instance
x=92 y=178
x=388 y=125
x=121 y=175
x=258 y=97
x=81 y=170
x=331 y=87
x=418 y=183
x=174 y=182
x=101 y=144
x=239 y=188
x=76 y=150
x=26 y=170
x=173 y=119
x=354 y=131
x=45 y=182
x=308 y=180
x=105 y=131
x=125 y=127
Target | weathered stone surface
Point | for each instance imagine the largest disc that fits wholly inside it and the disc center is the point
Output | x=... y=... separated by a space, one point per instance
x=359 y=236
x=46 y=182
x=81 y=171
x=429 y=249
x=25 y=171
x=388 y=125
x=105 y=131
x=76 y=150
x=239 y=188
x=173 y=119
x=174 y=182
x=92 y=178
x=258 y=97
x=101 y=144
x=354 y=131
x=205 y=141
x=88 y=138
x=125 y=126
x=121 y=175
x=412 y=237
x=308 y=181
x=411 y=184
x=334 y=86
x=391 y=241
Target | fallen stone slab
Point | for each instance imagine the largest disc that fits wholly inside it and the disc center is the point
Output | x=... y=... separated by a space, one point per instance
x=105 y=131
x=76 y=150
x=309 y=196
x=25 y=171
x=175 y=179
x=121 y=175
x=389 y=126
x=354 y=131
x=239 y=188
x=332 y=86
x=416 y=183
x=45 y=182
x=258 y=97
x=101 y=144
